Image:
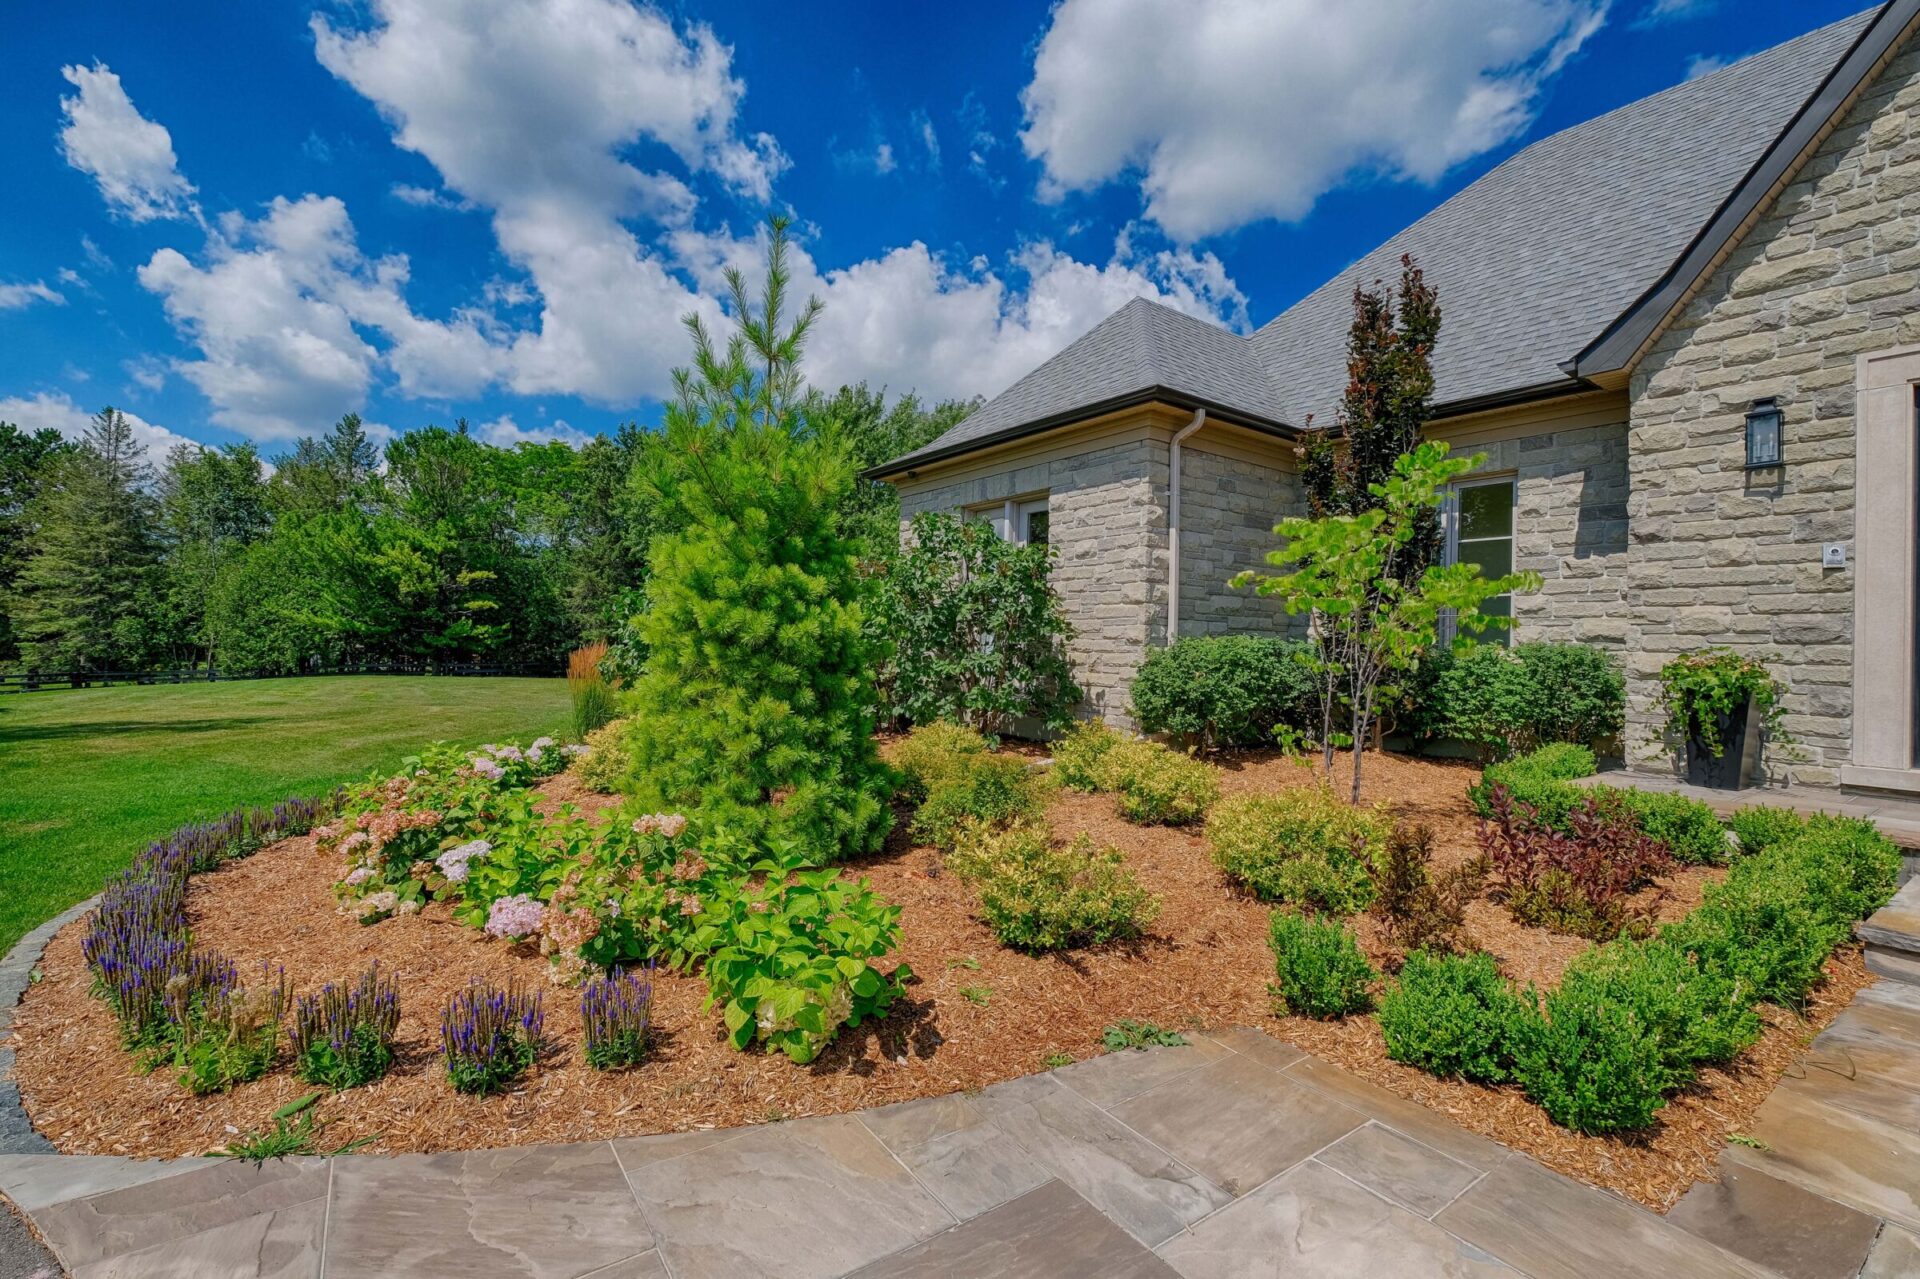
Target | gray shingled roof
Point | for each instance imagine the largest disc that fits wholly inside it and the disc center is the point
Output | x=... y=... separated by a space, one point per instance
x=1538 y=256
x=1532 y=262
x=1142 y=346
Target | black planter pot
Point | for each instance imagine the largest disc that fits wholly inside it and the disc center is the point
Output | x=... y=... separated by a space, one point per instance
x=1739 y=757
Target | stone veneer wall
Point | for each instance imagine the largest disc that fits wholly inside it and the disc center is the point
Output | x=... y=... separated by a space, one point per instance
x=1570 y=520
x=1109 y=533
x=1722 y=555
x=1228 y=507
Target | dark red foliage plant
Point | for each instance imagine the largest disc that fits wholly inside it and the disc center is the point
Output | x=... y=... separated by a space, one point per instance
x=1580 y=880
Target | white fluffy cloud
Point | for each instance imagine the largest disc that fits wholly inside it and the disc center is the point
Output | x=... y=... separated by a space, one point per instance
x=504 y=432
x=15 y=297
x=128 y=155
x=277 y=309
x=912 y=321
x=57 y=410
x=1231 y=111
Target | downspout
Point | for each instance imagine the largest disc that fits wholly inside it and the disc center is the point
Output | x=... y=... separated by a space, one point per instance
x=1173 y=524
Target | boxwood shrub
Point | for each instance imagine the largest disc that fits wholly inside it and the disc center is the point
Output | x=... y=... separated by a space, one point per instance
x=1320 y=971
x=1305 y=846
x=1507 y=701
x=1224 y=690
x=1454 y=1016
x=1537 y=779
x=1592 y=1063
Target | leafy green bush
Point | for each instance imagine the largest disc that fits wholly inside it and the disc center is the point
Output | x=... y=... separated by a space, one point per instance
x=1696 y=689
x=1078 y=755
x=1592 y=1064
x=1513 y=700
x=1039 y=896
x=1320 y=970
x=608 y=759
x=956 y=584
x=1129 y=1034
x=1157 y=786
x=794 y=961
x=1690 y=830
x=991 y=790
x=1537 y=780
x=1696 y=1013
x=931 y=754
x=1760 y=828
x=1305 y=846
x=1454 y=1015
x=1225 y=690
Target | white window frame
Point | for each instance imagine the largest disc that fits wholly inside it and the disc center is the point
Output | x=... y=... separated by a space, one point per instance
x=1010 y=517
x=1450 y=552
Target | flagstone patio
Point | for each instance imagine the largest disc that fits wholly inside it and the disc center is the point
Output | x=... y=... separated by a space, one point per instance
x=1236 y=1155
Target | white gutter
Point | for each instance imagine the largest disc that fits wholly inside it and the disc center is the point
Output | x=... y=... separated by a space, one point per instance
x=1173 y=524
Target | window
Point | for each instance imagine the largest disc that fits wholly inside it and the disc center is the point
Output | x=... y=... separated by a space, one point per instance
x=1478 y=520
x=1024 y=522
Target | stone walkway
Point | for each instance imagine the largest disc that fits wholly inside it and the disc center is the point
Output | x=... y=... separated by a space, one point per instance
x=1236 y=1155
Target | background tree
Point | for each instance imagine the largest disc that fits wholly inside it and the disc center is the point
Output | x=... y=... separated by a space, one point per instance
x=1388 y=399
x=81 y=598
x=876 y=432
x=756 y=706
x=212 y=504
x=25 y=457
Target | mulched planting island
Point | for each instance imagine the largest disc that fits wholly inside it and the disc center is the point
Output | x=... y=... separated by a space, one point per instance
x=1204 y=963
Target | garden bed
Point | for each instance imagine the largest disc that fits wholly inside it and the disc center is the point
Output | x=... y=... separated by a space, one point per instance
x=977 y=1013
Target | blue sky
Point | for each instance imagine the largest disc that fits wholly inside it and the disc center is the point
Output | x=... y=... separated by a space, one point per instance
x=242 y=220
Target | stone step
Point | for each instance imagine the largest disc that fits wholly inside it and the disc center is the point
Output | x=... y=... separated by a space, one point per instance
x=1892 y=936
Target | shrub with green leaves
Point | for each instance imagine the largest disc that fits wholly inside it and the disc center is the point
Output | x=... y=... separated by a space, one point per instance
x=1690 y=830
x=1320 y=971
x=931 y=754
x=1454 y=1016
x=1592 y=1063
x=1129 y=1034
x=1509 y=701
x=608 y=760
x=342 y=1036
x=977 y=630
x=988 y=790
x=1696 y=1013
x=1156 y=786
x=1304 y=846
x=1079 y=754
x=1537 y=780
x=1037 y=895
x=1760 y=828
x=1225 y=690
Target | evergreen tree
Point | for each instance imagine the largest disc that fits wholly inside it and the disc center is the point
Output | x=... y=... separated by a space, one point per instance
x=82 y=598
x=756 y=708
x=25 y=459
x=327 y=475
x=1388 y=399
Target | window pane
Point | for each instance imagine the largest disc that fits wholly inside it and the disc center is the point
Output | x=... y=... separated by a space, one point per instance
x=1495 y=556
x=1498 y=606
x=1036 y=528
x=1486 y=510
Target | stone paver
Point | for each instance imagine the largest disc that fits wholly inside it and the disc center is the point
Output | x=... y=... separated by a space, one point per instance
x=1236 y=1155
x=1048 y=1231
x=546 y=1212
x=1313 y=1223
x=817 y=1198
x=1861 y=1162
x=1895 y=1256
x=1779 y=1224
x=1400 y=1169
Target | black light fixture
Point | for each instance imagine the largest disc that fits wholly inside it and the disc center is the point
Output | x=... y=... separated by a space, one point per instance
x=1764 y=421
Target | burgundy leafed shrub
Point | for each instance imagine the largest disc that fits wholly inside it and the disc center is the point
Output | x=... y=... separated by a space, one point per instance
x=1578 y=880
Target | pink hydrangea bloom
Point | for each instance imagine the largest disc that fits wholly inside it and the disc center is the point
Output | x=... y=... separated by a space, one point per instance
x=516 y=916
x=358 y=876
x=487 y=768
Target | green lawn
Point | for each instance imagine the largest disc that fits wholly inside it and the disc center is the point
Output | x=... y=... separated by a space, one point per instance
x=88 y=777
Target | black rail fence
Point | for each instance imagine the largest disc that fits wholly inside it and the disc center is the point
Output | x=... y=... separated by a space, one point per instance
x=46 y=681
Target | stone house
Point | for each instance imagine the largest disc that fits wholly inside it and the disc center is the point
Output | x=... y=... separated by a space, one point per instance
x=1624 y=304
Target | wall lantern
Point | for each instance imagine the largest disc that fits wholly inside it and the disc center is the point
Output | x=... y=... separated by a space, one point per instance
x=1764 y=420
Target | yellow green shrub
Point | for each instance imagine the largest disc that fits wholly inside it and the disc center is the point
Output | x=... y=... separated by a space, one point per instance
x=608 y=759
x=1306 y=846
x=1156 y=786
x=932 y=754
x=1037 y=895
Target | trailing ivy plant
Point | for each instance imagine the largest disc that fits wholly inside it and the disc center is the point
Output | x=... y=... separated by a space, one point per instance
x=1372 y=622
x=978 y=632
x=1698 y=689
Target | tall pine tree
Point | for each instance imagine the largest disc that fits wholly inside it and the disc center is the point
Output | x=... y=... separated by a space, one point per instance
x=83 y=599
x=756 y=707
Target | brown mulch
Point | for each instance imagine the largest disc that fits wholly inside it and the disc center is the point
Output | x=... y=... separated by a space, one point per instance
x=1204 y=963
